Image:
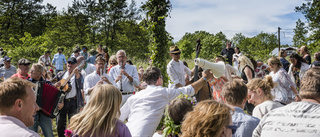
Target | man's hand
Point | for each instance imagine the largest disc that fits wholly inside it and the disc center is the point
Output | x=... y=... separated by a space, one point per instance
x=58 y=84
x=77 y=73
x=118 y=78
x=179 y=85
x=99 y=83
x=124 y=73
x=60 y=105
x=207 y=74
x=104 y=78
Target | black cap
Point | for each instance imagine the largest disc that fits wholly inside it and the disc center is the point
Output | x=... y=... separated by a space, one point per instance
x=72 y=60
x=6 y=58
x=60 y=48
x=24 y=61
x=48 y=51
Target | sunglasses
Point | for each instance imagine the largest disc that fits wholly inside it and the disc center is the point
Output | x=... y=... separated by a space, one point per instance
x=71 y=63
x=25 y=64
x=176 y=53
x=113 y=63
x=233 y=128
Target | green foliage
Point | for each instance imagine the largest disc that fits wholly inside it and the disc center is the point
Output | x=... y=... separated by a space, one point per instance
x=259 y=46
x=310 y=9
x=156 y=13
x=299 y=38
x=27 y=47
x=211 y=44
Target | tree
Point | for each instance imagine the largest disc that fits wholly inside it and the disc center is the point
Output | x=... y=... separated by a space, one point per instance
x=20 y=16
x=156 y=13
x=189 y=41
x=258 y=46
x=310 y=9
x=300 y=32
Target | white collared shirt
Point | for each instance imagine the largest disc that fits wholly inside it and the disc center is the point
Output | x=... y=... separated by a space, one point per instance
x=90 y=68
x=145 y=109
x=127 y=86
x=13 y=127
x=91 y=80
x=73 y=91
x=177 y=71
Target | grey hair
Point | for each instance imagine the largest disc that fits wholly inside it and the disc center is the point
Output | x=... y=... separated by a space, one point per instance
x=119 y=51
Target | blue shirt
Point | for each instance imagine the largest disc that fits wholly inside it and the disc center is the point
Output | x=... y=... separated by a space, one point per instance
x=245 y=123
x=7 y=73
x=59 y=60
x=92 y=59
x=285 y=64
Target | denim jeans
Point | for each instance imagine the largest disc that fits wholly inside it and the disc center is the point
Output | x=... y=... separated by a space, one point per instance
x=44 y=122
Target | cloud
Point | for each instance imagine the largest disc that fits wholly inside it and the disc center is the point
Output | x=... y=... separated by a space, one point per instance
x=229 y=16
x=249 y=17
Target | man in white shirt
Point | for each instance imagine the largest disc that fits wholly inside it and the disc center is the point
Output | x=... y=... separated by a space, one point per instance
x=176 y=69
x=96 y=78
x=88 y=67
x=73 y=100
x=145 y=109
x=125 y=76
x=17 y=108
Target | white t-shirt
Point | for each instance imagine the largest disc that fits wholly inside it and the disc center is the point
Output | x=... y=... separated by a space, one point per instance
x=73 y=91
x=262 y=109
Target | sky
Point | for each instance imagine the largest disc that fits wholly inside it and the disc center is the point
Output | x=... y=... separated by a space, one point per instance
x=249 y=17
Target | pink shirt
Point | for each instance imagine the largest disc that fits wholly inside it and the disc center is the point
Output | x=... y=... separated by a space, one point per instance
x=13 y=127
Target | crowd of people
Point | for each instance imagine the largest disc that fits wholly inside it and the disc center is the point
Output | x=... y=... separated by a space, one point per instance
x=104 y=95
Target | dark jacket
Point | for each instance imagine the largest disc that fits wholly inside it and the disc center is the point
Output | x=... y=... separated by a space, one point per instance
x=229 y=53
x=79 y=87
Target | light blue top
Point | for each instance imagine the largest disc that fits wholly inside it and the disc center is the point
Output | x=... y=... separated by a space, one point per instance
x=245 y=123
x=127 y=86
x=59 y=60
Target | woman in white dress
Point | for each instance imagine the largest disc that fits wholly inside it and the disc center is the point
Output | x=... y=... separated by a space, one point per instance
x=235 y=57
x=285 y=90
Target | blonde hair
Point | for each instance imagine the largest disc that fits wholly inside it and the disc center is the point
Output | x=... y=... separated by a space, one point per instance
x=305 y=49
x=112 y=58
x=100 y=115
x=274 y=60
x=245 y=61
x=38 y=66
x=208 y=119
x=265 y=85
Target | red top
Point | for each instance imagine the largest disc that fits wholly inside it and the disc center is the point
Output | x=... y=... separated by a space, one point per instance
x=20 y=76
